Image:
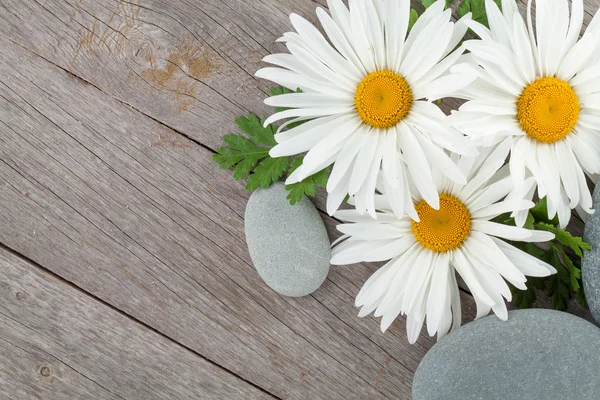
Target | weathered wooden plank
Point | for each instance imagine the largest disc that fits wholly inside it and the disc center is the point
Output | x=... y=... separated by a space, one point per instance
x=59 y=343
x=179 y=62
x=139 y=216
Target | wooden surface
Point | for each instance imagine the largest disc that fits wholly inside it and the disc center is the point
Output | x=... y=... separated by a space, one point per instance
x=63 y=343
x=125 y=272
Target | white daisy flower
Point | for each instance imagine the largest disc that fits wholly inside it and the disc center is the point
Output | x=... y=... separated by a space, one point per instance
x=419 y=280
x=541 y=88
x=363 y=95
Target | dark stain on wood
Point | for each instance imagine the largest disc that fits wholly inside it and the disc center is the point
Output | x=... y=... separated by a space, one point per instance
x=180 y=71
x=45 y=371
x=113 y=36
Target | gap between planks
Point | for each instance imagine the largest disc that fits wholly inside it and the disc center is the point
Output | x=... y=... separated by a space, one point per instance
x=82 y=291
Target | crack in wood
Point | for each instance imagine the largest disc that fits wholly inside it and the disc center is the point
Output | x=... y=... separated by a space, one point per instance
x=61 y=280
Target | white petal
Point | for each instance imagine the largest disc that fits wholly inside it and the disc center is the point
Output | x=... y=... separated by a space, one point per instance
x=436 y=300
x=335 y=139
x=307 y=112
x=492 y=165
x=577 y=57
x=339 y=40
x=346 y=157
x=511 y=232
x=490 y=195
x=293 y=81
x=574 y=25
x=587 y=156
x=486 y=250
x=498 y=27
x=396 y=26
x=390 y=158
x=456 y=306
x=363 y=162
x=480 y=30
x=418 y=167
x=441 y=160
x=353 y=250
x=358 y=38
x=522 y=47
x=447 y=85
x=465 y=269
x=528 y=264
x=304 y=137
x=338 y=194
x=418 y=279
x=350 y=215
x=318 y=47
x=376 y=230
x=550 y=175
x=491 y=279
x=567 y=165
x=368 y=188
x=494 y=210
x=308 y=100
x=391 y=305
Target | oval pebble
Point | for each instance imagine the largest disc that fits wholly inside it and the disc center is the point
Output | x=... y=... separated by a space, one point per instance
x=590 y=266
x=289 y=245
x=536 y=354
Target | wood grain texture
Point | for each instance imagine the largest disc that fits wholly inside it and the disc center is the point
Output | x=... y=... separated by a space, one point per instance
x=157 y=232
x=58 y=343
x=109 y=113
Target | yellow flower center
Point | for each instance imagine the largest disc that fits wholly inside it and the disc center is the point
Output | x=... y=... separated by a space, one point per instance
x=548 y=109
x=383 y=99
x=444 y=229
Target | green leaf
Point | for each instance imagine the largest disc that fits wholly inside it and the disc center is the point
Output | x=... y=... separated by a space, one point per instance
x=540 y=209
x=567 y=281
x=580 y=297
x=308 y=186
x=251 y=153
x=427 y=3
x=558 y=288
x=296 y=163
x=540 y=212
x=534 y=250
x=565 y=238
x=412 y=18
x=278 y=90
x=529 y=222
x=574 y=272
x=254 y=128
x=239 y=152
x=523 y=298
x=270 y=170
x=477 y=9
x=243 y=168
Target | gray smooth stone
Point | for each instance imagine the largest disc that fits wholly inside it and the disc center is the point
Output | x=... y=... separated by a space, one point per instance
x=590 y=267
x=536 y=354
x=288 y=244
